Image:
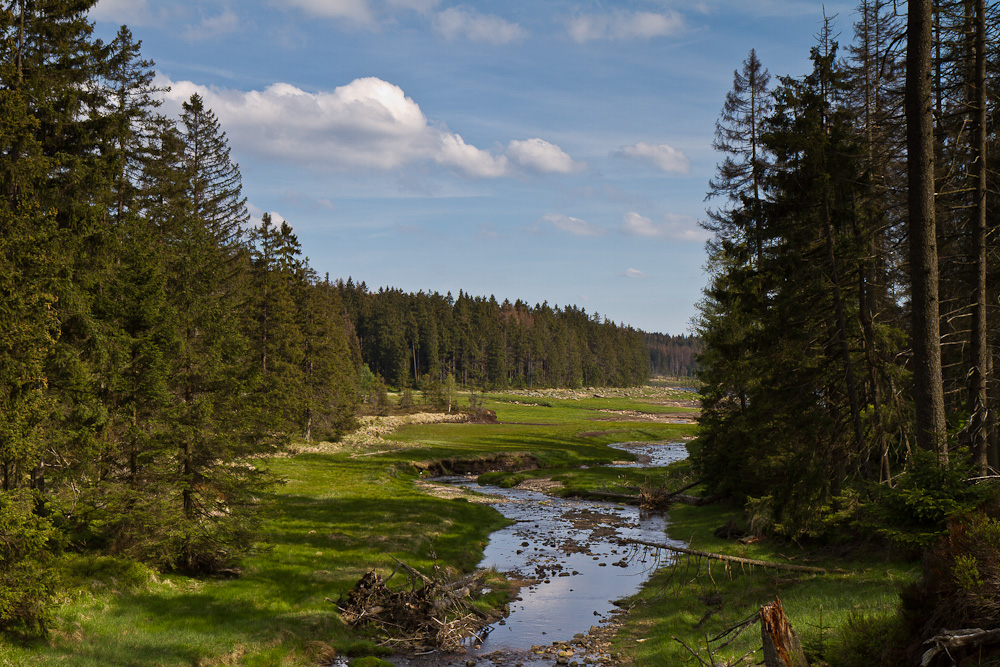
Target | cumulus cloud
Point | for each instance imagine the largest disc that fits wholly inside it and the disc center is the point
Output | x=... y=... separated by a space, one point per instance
x=624 y=26
x=572 y=225
x=672 y=228
x=355 y=10
x=540 y=155
x=633 y=273
x=662 y=156
x=468 y=23
x=368 y=123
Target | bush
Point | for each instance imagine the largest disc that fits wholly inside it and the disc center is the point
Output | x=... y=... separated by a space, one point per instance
x=78 y=571
x=26 y=580
x=960 y=587
x=915 y=512
x=867 y=639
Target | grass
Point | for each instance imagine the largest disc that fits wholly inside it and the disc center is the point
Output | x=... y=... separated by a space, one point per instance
x=685 y=606
x=338 y=516
x=334 y=518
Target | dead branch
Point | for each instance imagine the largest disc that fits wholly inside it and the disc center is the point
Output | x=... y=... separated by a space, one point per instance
x=432 y=615
x=952 y=639
x=738 y=559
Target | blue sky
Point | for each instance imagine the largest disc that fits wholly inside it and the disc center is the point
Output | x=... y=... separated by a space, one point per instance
x=541 y=150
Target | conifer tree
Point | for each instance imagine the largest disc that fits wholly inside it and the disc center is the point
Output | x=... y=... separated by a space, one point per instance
x=212 y=426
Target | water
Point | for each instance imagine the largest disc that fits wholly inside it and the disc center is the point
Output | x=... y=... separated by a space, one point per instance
x=572 y=553
x=652 y=454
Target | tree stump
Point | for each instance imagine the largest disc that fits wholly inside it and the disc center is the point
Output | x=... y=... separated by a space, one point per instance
x=782 y=647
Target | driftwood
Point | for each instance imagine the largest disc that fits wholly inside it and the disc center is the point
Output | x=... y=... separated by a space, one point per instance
x=781 y=645
x=737 y=559
x=431 y=614
x=659 y=498
x=697 y=500
x=954 y=639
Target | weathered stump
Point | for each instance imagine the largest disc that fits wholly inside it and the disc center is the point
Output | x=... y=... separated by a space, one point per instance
x=782 y=647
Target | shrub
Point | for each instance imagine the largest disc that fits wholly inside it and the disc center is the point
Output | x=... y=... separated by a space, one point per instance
x=915 y=512
x=26 y=580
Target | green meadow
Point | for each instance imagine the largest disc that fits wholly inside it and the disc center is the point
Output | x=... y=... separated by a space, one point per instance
x=336 y=516
x=351 y=508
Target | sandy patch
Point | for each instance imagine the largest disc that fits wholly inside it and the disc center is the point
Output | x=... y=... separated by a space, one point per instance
x=448 y=491
x=369 y=438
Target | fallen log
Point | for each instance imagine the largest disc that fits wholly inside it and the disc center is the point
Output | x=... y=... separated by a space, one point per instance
x=697 y=501
x=737 y=559
x=952 y=639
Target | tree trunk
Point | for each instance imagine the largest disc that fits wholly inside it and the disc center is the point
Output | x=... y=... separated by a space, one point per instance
x=782 y=647
x=928 y=389
x=978 y=346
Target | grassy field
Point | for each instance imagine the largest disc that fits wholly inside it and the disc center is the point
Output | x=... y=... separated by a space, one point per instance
x=676 y=619
x=338 y=515
x=351 y=507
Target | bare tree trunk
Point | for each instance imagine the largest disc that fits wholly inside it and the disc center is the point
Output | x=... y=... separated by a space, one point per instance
x=926 y=335
x=978 y=374
x=781 y=644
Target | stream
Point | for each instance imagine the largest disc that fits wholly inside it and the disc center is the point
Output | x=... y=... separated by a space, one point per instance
x=570 y=555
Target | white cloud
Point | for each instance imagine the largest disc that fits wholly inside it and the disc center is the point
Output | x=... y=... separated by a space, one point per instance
x=213 y=26
x=624 y=26
x=574 y=226
x=663 y=156
x=540 y=155
x=368 y=123
x=633 y=273
x=256 y=213
x=131 y=12
x=355 y=10
x=672 y=228
x=473 y=161
x=463 y=22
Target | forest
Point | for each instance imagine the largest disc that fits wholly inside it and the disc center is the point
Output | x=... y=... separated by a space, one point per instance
x=414 y=339
x=155 y=341
x=850 y=322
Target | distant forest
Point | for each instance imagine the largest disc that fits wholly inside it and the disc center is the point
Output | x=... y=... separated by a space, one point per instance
x=412 y=338
x=673 y=356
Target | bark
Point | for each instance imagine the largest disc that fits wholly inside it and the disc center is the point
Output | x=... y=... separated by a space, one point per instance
x=781 y=645
x=978 y=345
x=928 y=388
x=954 y=639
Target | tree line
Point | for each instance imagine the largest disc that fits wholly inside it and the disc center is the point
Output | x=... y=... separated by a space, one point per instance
x=850 y=320
x=420 y=339
x=673 y=356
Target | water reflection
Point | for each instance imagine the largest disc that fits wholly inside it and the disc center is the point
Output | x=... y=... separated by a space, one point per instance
x=570 y=552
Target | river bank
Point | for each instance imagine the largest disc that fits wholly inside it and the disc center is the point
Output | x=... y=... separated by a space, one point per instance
x=357 y=506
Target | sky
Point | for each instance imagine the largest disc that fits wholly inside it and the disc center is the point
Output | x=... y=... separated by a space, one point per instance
x=541 y=150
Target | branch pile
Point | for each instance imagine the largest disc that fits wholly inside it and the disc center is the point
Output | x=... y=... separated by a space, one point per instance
x=429 y=614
